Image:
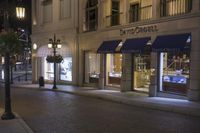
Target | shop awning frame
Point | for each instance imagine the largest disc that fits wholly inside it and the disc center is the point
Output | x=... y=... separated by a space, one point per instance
x=172 y=43
x=109 y=46
x=136 y=45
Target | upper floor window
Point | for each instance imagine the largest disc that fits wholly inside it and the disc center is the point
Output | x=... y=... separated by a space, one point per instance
x=47 y=11
x=65 y=9
x=175 y=7
x=91 y=18
x=141 y=10
x=115 y=12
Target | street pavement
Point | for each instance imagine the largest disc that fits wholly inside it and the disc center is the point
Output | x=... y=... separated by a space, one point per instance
x=48 y=111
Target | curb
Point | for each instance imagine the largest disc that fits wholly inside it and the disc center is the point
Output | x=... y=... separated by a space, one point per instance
x=23 y=124
x=132 y=102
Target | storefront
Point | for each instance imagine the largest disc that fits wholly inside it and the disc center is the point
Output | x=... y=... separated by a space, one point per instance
x=46 y=69
x=113 y=62
x=174 y=62
x=144 y=61
x=140 y=50
x=92 y=67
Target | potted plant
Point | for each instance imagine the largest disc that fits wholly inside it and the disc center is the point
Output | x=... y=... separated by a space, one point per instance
x=57 y=58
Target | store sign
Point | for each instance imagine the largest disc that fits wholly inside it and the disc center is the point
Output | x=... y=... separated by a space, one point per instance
x=139 y=30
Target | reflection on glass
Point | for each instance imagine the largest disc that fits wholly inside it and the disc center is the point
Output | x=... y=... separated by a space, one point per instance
x=66 y=69
x=175 y=72
x=142 y=72
x=113 y=69
x=92 y=67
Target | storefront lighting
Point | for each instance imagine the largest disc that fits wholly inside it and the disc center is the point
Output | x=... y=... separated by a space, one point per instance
x=34 y=46
x=120 y=44
x=149 y=43
x=189 y=39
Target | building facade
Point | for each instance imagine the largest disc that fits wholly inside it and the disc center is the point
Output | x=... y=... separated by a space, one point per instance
x=136 y=45
x=149 y=46
x=57 y=17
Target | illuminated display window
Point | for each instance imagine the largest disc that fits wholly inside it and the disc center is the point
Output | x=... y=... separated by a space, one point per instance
x=141 y=72
x=92 y=67
x=66 y=69
x=175 y=69
x=113 y=69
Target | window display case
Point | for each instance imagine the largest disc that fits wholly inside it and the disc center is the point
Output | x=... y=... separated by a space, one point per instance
x=94 y=77
x=114 y=78
x=175 y=72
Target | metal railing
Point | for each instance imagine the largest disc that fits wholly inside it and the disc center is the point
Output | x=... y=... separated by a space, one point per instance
x=114 y=19
x=142 y=13
x=175 y=7
x=90 y=25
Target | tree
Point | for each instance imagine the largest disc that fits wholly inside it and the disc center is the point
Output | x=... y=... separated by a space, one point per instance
x=9 y=45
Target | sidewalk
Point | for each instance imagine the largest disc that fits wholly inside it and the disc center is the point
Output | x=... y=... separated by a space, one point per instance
x=129 y=98
x=16 y=125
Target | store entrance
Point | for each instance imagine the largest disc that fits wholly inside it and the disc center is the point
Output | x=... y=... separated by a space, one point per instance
x=174 y=72
x=141 y=72
x=113 y=70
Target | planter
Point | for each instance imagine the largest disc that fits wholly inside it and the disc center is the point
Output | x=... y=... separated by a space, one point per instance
x=56 y=59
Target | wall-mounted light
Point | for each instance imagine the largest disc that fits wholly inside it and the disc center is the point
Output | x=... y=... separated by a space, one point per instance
x=34 y=46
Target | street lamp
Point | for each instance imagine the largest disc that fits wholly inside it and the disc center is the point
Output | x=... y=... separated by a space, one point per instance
x=20 y=12
x=8 y=111
x=54 y=43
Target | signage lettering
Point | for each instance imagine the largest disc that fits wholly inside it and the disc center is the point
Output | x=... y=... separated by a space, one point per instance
x=138 y=30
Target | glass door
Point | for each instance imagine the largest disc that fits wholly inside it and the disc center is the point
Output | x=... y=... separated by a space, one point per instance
x=141 y=74
x=113 y=69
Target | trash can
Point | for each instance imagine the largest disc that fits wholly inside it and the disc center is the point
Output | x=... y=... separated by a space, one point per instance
x=41 y=81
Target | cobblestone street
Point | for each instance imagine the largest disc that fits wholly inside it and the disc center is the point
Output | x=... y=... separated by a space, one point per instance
x=56 y=112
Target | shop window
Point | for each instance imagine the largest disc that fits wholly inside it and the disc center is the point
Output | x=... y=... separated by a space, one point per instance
x=140 y=11
x=48 y=70
x=141 y=72
x=65 y=9
x=113 y=69
x=92 y=67
x=91 y=17
x=47 y=11
x=66 y=69
x=175 y=7
x=174 y=72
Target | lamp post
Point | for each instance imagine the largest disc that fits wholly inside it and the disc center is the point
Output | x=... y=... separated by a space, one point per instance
x=54 y=43
x=8 y=110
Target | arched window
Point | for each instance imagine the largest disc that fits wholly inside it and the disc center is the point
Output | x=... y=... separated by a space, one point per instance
x=91 y=15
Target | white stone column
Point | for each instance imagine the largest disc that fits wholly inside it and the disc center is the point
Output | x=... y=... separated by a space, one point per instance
x=194 y=84
x=153 y=79
x=80 y=73
x=34 y=69
x=195 y=6
x=155 y=9
x=127 y=73
x=102 y=75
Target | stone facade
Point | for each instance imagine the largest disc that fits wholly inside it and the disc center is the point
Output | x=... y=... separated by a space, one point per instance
x=72 y=32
